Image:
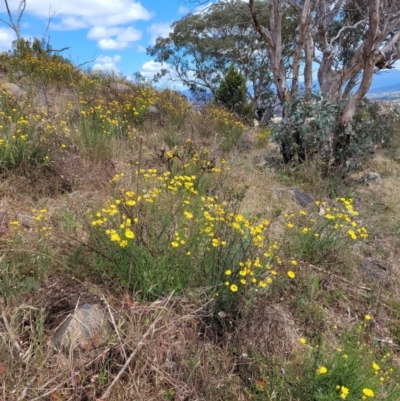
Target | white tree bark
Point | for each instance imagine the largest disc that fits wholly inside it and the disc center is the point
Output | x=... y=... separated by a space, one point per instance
x=15 y=25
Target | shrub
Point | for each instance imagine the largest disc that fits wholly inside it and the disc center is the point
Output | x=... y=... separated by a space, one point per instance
x=222 y=124
x=322 y=238
x=163 y=233
x=307 y=132
x=25 y=142
x=37 y=58
x=231 y=92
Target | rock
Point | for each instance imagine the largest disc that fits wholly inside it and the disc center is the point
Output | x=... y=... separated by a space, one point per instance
x=153 y=111
x=26 y=220
x=18 y=75
x=14 y=90
x=70 y=167
x=301 y=198
x=373 y=270
x=117 y=87
x=86 y=328
x=373 y=176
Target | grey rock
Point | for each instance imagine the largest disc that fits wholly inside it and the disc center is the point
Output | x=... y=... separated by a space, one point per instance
x=26 y=220
x=18 y=75
x=373 y=176
x=117 y=87
x=374 y=270
x=14 y=90
x=301 y=198
x=85 y=329
x=153 y=111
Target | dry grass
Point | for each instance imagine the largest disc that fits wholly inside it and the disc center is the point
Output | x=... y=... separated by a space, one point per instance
x=174 y=347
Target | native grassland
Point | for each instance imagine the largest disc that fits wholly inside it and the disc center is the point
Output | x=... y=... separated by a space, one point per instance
x=181 y=222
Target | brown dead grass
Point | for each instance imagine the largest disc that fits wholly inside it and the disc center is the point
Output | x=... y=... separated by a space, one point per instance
x=181 y=357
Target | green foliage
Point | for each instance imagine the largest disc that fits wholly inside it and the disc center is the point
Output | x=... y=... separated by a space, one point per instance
x=346 y=367
x=232 y=91
x=351 y=371
x=39 y=60
x=322 y=239
x=23 y=145
x=165 y=234
x=380 y=125
x=310 y=130
x=262 y=137
x=201 y=48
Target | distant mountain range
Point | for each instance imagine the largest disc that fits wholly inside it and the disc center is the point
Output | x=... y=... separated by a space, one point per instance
x=385 y=85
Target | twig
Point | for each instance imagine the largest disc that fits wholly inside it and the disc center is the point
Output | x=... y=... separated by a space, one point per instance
x=115 y=328
x=388 y=342
x=135 y=351
x=138 y=173
x=12 y=337
x=25 y=390
x=338 y=277
x=49 y=392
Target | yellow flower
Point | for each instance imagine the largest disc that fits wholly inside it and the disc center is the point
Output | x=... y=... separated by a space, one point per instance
x=367 y=318
x=291 y=274
x=368 y=392
x=115 y=237
x=293 y=262
x=302 y=340
x=129 y=234
x=322 y=370
x=188 y=215
x=344 y=392
x=375 y=366
x=174 y=244
x=228 y=272
x=234 y=288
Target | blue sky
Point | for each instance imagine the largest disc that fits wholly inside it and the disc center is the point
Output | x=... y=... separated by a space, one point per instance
x=112 y=33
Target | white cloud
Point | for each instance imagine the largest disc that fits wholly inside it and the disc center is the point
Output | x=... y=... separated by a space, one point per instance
x=99 y=32
x=106 y=63
x=170 y=80
x=150 y=68
x=141 y=49
x=183 y=10
x=87 y=13
x=106 y=20
x=7 y=36
x=159 y=29
x=123 y=38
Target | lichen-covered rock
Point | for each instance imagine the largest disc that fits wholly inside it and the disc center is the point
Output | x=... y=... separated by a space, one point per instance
x=153 y=111
x=301 y=198
x=14 y=89
x=85 y=329
x=117 y=87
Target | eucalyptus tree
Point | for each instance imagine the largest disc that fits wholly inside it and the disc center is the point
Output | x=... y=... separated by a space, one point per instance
x=349 y=40
x=15 y=24
x=202 y=46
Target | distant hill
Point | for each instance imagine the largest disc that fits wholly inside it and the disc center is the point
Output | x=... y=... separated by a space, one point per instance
x=384 y=83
